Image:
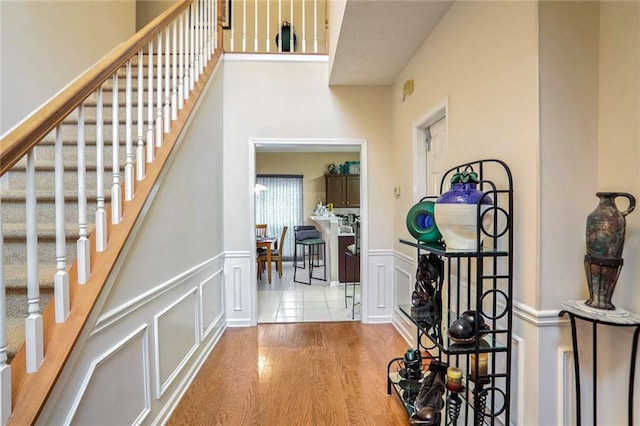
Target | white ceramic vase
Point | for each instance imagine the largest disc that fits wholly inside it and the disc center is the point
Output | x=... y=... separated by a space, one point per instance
x=458 y=224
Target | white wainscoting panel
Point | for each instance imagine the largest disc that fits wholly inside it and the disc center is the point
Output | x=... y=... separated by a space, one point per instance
x=239 y=290
x=378 y=295
x=517 y=380
x=403 y=287
x=211 y=302
x=129 y=357
x=566 y=387
x=176 y=337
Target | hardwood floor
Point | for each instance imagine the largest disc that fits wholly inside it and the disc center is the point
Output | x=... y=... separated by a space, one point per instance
x=297 y=374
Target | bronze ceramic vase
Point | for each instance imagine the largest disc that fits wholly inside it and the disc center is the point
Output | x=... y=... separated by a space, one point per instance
x=605 y=241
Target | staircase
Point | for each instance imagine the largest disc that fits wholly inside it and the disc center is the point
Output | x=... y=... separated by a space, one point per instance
x=14 y=200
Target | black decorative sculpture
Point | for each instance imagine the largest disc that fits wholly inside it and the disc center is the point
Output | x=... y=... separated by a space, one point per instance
x=288 y=37
x=426 y=299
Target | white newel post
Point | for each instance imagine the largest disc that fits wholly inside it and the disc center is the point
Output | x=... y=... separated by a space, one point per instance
x=61 y=278
x=34 y=342
x=83 y=260
x=304 y=28
x=5 y=369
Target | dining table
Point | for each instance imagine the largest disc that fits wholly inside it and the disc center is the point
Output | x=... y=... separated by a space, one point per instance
x=266 y=243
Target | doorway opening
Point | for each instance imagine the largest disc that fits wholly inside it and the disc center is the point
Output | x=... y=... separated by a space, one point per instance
x=284 y=300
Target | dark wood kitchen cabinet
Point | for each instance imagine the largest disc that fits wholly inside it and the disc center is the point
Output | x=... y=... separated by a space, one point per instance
x=348 y=266
x=343 y=190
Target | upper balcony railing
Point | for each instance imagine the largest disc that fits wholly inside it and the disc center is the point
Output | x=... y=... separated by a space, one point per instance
x=257 y=26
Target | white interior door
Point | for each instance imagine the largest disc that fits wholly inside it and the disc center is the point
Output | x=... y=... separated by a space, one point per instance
x=437 y=149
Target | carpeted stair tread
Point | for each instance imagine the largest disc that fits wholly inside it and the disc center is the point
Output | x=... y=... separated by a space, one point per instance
x=15 y=336
x=47 y=195
x=15 y=277
x=46 y=231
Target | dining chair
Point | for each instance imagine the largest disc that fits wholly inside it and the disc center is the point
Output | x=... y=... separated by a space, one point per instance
x=276 y=255
x=261 y=230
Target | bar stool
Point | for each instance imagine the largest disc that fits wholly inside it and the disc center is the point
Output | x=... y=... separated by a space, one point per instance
x=310 y=244
x=352 y=255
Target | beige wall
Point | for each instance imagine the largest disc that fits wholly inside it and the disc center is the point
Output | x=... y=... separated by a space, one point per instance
x=44 y=45
x=312 y=166
x=147 y=10
x=490 y=80
x=262 y=100
x=568 y=144
x=619 y=130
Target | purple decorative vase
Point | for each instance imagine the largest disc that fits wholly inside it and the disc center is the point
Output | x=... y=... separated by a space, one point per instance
x=605 y=241
x=456 y=212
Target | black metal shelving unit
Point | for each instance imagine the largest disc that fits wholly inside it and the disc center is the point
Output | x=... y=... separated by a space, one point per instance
x=479 y=280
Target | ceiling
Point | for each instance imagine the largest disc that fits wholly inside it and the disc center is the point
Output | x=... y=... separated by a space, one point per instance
x=379 y=37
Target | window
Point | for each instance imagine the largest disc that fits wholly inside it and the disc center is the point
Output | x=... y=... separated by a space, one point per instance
x=279 y=205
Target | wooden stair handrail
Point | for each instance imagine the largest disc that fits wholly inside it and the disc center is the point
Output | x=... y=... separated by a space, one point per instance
x=34 y=128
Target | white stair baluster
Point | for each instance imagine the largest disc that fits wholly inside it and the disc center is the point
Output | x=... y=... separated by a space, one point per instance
x=116 y=191
x=232 y=30
x=174 y=72
x=181 y=62
x=101 y=213
x=61 y=278
x=128 y=130
x=304 y=28
x=214 y=24
x=140 y=156
x=34 y=342
x=315 y=26
x=187 y=50
x=5 y=369
x=198 y=34
x=279 y=25
x=83 y=259
x=291 y=45
x=167 y=81
x=268 y=39
x=159 y=126
x=196 y=40
x=192 y=40
x=244 y=25
x=255 y=27
x=210 y=29
x=151 y=151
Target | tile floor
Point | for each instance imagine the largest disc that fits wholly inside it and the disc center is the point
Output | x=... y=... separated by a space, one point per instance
x=287 y=301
